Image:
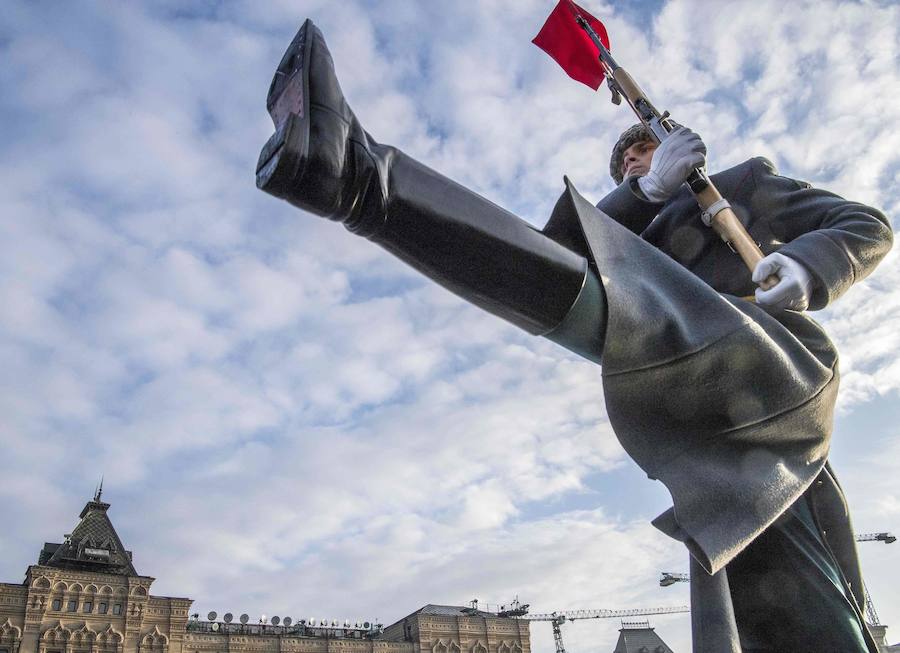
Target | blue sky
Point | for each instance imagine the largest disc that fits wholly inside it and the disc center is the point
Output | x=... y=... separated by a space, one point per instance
x=289 y=421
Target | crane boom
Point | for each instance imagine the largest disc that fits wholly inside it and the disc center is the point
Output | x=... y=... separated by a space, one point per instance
x=887 y=538
x=670 y=578
x=572 y=615
x=559 y=618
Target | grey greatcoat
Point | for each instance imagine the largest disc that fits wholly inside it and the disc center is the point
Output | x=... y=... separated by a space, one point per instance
x=729 y=404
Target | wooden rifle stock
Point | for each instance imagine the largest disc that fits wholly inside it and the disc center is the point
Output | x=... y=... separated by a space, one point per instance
x=726 y=224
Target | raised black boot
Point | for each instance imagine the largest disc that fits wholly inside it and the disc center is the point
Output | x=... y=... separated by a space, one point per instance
x=321 y=160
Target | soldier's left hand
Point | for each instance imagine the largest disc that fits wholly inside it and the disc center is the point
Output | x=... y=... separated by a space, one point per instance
x=792 y=292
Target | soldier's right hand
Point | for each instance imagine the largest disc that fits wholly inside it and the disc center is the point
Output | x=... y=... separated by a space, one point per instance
x=794 y=289
x=672 y=162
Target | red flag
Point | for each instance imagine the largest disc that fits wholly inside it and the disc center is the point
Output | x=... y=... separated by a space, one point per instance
x=570 y=46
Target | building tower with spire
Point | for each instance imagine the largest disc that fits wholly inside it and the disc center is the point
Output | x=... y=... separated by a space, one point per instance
x=84 y=595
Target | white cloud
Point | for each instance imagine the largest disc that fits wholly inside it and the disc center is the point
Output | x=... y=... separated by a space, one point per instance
x=317 y=427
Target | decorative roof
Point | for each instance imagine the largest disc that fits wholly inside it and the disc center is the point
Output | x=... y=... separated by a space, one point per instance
x=94 y=545
x=640 y=639
x=453 y=611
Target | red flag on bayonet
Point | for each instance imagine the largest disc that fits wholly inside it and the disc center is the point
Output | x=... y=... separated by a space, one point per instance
x=570 y=46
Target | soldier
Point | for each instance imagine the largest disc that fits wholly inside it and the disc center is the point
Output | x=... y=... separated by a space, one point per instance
x=797 y=586
x=746 y=389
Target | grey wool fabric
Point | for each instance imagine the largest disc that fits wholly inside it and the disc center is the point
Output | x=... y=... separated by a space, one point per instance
x=732 y=457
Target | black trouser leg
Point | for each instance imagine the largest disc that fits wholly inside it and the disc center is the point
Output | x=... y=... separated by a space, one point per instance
x=490 y=257
x=788 y=593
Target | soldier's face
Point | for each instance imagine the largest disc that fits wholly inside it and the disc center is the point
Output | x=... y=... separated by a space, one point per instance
x=636 y=160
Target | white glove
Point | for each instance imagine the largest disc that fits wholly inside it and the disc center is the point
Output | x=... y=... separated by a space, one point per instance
x=793 y=291
x=672 y=162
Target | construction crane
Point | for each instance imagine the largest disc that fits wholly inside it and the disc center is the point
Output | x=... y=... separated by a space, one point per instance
x=557 y=619
x=887 y=538
x=670 y=578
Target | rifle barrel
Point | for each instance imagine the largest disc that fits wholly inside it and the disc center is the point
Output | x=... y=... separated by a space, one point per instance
x=606 y=57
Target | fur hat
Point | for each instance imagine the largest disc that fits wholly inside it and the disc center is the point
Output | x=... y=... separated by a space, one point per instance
x=634 y=134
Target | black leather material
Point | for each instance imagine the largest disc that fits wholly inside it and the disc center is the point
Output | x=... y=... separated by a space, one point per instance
x=322 y=160
x=318 y=159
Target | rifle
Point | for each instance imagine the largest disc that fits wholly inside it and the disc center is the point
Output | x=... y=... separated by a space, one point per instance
x=716 y=211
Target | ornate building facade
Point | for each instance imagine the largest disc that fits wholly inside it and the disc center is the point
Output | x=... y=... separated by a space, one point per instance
x=85 y=596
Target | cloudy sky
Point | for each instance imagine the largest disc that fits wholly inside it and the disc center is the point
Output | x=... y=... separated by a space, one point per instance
x=289 y=421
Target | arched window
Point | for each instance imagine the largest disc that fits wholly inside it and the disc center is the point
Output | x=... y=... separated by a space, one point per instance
x=54 y=639
x=108 y=641
x=58 y=596
x=154 y=642
x=10 y=637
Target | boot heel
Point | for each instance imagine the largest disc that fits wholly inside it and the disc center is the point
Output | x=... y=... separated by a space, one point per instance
x=283 y=158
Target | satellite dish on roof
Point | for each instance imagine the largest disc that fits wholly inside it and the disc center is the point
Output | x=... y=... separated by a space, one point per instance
x=228 y=617
x=311 y=621
x=212 y=616
x=367 y=625
x=276 y=620
x=245 y=618
x=287 y=621
x=215 y=626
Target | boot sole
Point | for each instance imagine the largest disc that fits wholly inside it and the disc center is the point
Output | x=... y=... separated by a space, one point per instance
x=282 y=160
